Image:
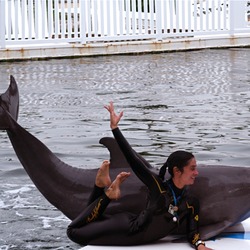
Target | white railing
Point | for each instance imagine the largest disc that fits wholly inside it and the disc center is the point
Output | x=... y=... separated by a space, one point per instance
x=86 y=21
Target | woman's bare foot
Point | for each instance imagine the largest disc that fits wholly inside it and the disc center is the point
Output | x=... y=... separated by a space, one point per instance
x=114 y=192
x=102 y=179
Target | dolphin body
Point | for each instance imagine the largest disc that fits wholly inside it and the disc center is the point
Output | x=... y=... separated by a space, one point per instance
x=223 y=191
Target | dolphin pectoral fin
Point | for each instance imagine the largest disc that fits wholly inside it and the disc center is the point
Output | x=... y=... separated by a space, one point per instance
x=238 y=227
x=10 y=99
x=210 y=231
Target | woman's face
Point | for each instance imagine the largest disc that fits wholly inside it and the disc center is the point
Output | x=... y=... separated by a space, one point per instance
x=189 y=173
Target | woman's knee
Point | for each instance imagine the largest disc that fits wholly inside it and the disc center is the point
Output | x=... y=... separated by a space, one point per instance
x=73 y=235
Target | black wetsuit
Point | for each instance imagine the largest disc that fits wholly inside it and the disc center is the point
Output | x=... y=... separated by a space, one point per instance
x=156 y=221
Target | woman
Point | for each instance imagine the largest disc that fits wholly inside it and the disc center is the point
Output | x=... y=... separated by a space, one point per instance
x=168 y=203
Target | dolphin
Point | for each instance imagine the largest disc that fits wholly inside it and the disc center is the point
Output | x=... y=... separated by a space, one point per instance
x=223 y=191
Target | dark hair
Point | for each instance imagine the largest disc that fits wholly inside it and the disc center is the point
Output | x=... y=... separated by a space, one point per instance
x=177 y=159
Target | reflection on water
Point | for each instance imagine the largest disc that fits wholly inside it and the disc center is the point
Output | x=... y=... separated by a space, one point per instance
x=197 y=101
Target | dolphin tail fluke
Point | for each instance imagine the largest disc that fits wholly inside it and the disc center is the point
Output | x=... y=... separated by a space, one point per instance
x=9 y=104
x=5 y=119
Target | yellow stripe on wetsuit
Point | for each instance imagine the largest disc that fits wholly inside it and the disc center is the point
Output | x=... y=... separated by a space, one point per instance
x=159 y=187
x=95 y=212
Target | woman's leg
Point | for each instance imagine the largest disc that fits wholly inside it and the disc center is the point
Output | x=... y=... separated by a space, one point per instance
x=92 y=212
x=95 y=210
x=102 y=180
x=101 y=231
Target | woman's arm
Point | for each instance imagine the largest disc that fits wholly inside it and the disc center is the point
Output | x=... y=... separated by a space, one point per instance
x=193 y=225
x=139 y=165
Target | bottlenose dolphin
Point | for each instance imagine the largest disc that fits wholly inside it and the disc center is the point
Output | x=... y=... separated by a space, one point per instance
x=223 y=191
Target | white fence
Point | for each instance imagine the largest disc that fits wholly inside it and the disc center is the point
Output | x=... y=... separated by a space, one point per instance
x=86 y=21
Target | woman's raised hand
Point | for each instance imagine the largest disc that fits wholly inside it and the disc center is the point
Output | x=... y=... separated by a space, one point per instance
x=114 y=118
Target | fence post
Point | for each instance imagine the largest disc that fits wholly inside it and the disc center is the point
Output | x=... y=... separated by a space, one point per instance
x=237 y=16
x=2 y=24
x=82 y=21
x=158 y=20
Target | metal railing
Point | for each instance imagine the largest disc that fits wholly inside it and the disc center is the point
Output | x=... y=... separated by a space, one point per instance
x=87 y=21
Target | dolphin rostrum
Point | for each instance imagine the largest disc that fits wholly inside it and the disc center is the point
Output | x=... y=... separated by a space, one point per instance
x=223 y=191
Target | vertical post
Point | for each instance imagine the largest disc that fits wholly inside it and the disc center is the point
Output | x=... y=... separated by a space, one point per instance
x=127 y=17
x=158 y=19
x=50 y=23
x=133 y=17
x=37 y=19
x=83 y=17
x=2 y=24
x=116 y=17
x=94 y=20
x=108 y=22
x=237 y=16
x=57 y=20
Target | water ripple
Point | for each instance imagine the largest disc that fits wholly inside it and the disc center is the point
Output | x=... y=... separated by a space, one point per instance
x=197 y=101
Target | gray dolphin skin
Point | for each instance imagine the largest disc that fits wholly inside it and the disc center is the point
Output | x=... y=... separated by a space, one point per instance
x=223 y=191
